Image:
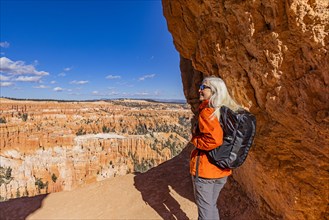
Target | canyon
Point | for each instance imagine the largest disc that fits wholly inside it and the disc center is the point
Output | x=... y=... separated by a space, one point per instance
x=51 y=146
x=273 y=56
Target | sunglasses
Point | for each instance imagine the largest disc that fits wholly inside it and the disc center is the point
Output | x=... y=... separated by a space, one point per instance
x=202 y=87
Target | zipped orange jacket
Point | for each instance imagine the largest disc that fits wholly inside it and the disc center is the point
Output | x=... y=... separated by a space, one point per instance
x=208 y=137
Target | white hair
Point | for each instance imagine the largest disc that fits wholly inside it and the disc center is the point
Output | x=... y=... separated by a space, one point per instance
x=220 y=95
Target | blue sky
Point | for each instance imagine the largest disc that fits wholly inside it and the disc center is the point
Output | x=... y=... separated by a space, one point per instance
x=87 y=49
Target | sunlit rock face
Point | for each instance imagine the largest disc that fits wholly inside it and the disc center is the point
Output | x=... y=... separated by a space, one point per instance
x=273 y=55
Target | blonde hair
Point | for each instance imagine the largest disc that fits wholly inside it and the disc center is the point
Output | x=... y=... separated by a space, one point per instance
x=220 y=95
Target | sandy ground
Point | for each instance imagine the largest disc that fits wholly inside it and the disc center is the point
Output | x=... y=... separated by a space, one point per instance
x=115 y=198
x=164 y=192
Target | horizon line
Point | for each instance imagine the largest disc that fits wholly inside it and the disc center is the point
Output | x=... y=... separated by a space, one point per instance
x=176 y=101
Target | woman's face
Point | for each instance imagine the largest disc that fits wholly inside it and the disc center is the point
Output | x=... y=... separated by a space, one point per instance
x=204 y=91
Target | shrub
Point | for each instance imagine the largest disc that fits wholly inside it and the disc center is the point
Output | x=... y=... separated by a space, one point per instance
x=80 y=132
x=105 y=129
x=18 y=194
x=24 y=116
x=8 y=173
x=3 y=120
x=40 y=184
x=54 y=178
x=5 y=175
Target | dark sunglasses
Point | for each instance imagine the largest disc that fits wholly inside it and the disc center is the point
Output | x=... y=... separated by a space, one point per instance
x=202 y=87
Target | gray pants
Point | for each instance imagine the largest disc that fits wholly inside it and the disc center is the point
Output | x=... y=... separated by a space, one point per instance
x=206 y=192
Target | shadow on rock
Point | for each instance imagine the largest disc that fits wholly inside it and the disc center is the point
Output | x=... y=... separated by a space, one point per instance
x=21 y=208
x=155 y=185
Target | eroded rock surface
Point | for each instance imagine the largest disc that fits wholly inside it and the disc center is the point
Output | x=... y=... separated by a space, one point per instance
x=274 y=57
x=54 y=146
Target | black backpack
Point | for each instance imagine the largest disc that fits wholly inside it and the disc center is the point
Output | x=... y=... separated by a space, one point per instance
x=239 y=130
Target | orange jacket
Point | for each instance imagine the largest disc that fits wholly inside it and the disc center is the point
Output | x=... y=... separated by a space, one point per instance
x=208 y=137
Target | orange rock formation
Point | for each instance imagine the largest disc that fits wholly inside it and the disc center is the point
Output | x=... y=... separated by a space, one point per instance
x=274 y=57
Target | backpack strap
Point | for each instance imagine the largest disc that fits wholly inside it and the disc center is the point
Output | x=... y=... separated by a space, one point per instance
x=197 y=159
x=197 y=164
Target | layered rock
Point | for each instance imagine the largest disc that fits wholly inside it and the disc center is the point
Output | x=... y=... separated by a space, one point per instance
x=273 y=56
x=51 y=146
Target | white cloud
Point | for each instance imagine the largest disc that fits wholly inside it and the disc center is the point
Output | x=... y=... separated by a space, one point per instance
x=58 y=89
x=124 y=84
x=99 y=94
x=114 y=93
x=18 y=68
x=81 y=82
x=4 y=44
x=142 y=94
x=28 y=79
x=112 y=77
x=146 y=76
x=61 y=74
x=41 y=87
x=75 y=94
x=52 y=82
x=68 y=69
x=6 y=84
x=4 y=78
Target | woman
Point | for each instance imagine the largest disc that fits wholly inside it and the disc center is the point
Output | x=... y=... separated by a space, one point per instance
x=208 y=179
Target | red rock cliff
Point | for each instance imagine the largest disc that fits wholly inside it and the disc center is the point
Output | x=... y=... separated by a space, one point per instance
x=274 y=57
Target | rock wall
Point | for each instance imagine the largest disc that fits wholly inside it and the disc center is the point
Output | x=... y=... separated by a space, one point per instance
x=273 y=56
